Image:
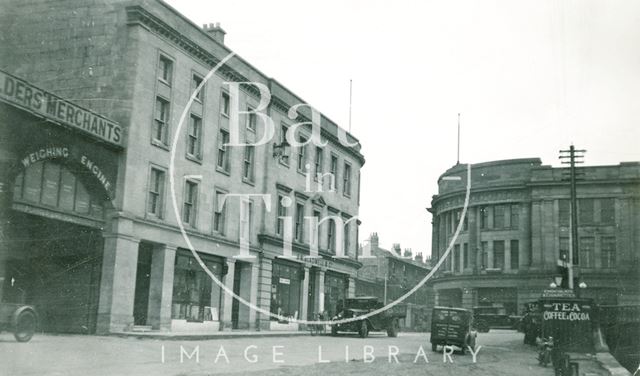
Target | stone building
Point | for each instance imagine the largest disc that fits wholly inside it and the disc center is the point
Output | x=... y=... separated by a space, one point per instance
x=390 y=274
x=140 y=63
x=517 y=228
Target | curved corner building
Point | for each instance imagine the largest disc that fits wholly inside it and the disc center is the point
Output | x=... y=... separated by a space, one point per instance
x=517 y=228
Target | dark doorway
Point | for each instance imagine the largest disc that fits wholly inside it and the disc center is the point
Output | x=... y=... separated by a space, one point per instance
x=235 y=306
x=143 y=280
x=55 y=266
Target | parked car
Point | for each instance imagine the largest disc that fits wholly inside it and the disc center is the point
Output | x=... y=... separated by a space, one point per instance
x=452 y=327
x=15 y=316
x=353 y=307
x=492 y=317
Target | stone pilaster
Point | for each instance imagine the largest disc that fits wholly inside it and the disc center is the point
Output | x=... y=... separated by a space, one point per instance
x=304 y=301
x=253 y=297
x=225 y=320
x=161 y=287
x=351 y=288
x=118 y=281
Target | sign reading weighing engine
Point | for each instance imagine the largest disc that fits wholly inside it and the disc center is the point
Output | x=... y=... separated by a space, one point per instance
x=21 y=93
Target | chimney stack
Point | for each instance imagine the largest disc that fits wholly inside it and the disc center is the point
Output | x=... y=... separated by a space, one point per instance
x=215 y=31
x=407 y=252
x=417 y=257
x=373 y=241
x=397 y=250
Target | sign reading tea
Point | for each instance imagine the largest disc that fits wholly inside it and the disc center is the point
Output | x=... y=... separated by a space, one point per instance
x=566 y=311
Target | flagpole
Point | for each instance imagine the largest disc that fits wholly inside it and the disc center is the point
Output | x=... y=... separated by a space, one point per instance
x=350 y=98
x=458 y=156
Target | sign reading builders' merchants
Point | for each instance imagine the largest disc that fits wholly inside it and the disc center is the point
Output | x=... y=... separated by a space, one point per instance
x=21 y=93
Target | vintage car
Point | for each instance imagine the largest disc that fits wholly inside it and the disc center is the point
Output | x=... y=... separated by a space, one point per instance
x=352 y=307
x=493 y=317
x=452 y=327
x=15 y=316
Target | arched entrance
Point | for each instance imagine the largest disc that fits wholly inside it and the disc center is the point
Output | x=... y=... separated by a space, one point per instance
x=55 y=242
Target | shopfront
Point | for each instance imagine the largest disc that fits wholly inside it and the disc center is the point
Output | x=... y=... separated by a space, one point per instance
x=286 y=288
x=196 y=297
x=335 y=289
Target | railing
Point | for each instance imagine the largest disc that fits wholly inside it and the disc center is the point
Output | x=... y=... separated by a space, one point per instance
x=620 y=326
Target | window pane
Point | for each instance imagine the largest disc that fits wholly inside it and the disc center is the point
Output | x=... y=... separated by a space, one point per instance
x=33 y=182
x=82 y=199
x=67 y=190
x=50 y=183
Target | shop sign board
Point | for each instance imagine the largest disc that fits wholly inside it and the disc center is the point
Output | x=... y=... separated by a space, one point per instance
x=42 y=103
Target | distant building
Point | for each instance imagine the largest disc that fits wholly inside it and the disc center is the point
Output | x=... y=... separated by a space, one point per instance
x=517 y=228
x=138 y=63
x=390 y=274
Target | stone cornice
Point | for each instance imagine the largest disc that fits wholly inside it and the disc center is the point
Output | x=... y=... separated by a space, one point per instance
x=304 y=249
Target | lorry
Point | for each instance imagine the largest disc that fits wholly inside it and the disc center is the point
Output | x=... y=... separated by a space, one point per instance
x=386 y=320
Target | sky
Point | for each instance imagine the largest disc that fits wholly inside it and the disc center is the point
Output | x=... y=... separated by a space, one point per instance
x=528 y=77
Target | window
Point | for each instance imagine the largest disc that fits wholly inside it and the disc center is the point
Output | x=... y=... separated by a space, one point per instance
x=608 y=244
x=563 y=250
x=484 y=246
x=465 y=223
x=484 y=217
x=564 y=212
x=165 y=69
x=246 y=209
x=345 y=236
x=156 y=192
x=160 y=124
x=498 y=254
x=498 y=216
x=194 y=137
x=314 y=229
x=189 y=207
x=456 y=220
x=302 y=155
x=247 y=166
x=252 y=119
x=223 y=154
x=607 y=211
x=195 y=298
x=334 y=172
x=587 y=251
x=515 y=216
x=318 y=163
x=515 y=254
x=331 y=236
x=282 y=213
x=219 y=212
x=195 y=82
x=585 y=210
x=456 y=258
x=299 y=225
x=465 y=255
x=225 y=103
x=346 y=180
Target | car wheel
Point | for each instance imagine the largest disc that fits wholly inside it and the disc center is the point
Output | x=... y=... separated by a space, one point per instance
x=392 y=331
x=434 y=347
x=364 y=329
x=25 y=326
x=334 y=330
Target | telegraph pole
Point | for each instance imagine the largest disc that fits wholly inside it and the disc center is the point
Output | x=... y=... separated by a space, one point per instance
x=574 y=157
